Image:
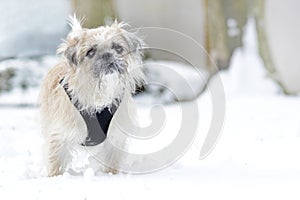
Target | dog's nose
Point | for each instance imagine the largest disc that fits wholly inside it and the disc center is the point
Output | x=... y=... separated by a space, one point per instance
x=106 y=56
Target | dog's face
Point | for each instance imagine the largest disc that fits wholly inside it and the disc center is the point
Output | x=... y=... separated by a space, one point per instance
x=103 y=62
x=101 y=51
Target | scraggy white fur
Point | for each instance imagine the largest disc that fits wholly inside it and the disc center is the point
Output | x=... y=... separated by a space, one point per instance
x=62 y=125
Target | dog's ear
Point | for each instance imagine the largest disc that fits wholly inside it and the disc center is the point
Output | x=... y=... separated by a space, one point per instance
x=135 y=44
x=135 y=51
x=71 y=55
x=68 y=47
x=68 y=50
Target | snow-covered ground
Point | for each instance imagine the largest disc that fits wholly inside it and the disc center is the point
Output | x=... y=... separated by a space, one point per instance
x=257 y=156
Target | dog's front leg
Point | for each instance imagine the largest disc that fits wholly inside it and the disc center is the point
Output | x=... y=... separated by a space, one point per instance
x=109 y=158
x=115 y=157
x=117 y=143
x=58 y=155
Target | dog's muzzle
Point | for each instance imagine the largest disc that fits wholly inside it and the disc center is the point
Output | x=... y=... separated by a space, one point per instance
x=107 y=63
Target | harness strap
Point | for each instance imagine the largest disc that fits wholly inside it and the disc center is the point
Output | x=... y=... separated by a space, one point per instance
x=97 y=125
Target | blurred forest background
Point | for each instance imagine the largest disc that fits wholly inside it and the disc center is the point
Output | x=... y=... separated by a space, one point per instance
x=31 y=30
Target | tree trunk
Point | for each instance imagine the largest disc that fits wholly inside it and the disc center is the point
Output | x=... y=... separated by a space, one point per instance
x=278 y=30
x=225 y=22
x=96 y=12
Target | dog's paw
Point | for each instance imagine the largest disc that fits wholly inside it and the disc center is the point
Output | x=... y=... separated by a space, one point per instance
x=110 y=170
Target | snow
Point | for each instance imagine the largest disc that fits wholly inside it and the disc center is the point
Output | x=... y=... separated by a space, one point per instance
x=232 y=27
x=257 y=156
x=170 y=81
x=29 y=72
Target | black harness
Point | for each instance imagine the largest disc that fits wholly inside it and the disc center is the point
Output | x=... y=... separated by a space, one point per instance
x=97 y=124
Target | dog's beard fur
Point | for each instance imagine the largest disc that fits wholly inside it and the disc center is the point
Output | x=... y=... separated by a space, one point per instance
x=90 y=84
x=95 y=93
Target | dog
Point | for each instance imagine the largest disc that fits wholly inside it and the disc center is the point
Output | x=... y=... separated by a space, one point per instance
x=99 y=70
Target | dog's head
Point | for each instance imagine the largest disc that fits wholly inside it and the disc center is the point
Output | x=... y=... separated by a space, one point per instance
x=107 y=59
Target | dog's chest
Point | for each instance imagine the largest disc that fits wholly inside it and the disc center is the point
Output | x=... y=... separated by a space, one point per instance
x=109 y=89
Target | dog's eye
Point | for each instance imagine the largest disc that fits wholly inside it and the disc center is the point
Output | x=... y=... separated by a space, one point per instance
x=91 y=52
x=119 y=49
